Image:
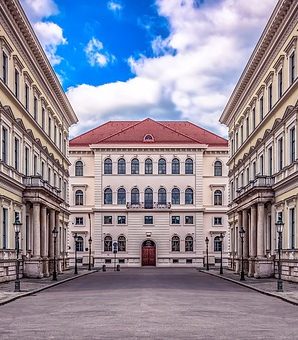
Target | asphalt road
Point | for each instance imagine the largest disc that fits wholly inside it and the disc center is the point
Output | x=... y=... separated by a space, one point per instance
x=149 y=304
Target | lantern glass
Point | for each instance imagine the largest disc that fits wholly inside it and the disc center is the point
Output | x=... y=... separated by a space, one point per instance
x=279 y=226
x=207 y=240
x=241 y=232
x=55 y=232
x=221 y=237
x=17 y=226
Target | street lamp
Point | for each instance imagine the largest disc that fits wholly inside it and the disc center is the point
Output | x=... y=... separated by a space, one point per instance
x=17 y=228
x=90 y=242
x=75 y=245
x=241 y=233
x=279 y=228
x=221 y=241
x=207 y=262
x=55 y=234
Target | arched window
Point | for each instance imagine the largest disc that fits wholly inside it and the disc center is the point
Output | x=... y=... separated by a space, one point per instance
x=217 y=168
x=148 y=198
x=175 y=166
x=108 y=166
x=121 y=166
x=108 y=243
x=121 y=243
x=175 y=196
x=188 y=243
x=135 y=196
x=80 y=243
x=108 y=196
x=188 y=196
x=79 y=197
x=217 y=197
x=148 y=166
x=162 y=166
x=189 y=166
x=175 y=243
x=121 y=196
x=217 y=243
x=79 y=168
x=162 y=196
x=135 y=166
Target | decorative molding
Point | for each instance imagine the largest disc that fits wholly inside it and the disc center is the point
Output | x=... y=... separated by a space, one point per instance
x=6 y=45
x=17 y=62
x=292 y=45
x=279 y=63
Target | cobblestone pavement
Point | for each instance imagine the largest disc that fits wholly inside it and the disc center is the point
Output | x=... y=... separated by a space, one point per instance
x=267 y=285
x=7 y=292
x=151 y=303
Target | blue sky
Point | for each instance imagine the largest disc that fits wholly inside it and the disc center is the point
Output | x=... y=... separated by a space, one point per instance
x=132 y=59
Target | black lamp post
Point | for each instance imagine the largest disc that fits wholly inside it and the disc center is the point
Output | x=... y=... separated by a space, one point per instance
x=242 y=232
x=17 y=227
x=279 y=228
x=221 y=242
x=207 y=255
x=55 y=234
x=90 y=242
x=75 y=245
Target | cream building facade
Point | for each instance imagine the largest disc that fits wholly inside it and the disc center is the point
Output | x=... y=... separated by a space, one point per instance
x=262 y=118
x=156 y=188
x=35 y=117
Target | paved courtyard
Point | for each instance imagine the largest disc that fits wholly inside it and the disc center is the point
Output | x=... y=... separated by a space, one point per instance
x=149 y=304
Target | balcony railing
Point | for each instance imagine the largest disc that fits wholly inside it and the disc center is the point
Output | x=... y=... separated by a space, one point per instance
x=38 y=182
x=259 y=182
x=145 y=205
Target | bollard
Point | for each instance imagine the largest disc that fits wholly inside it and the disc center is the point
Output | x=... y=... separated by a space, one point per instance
x=104 y=268
x=118 y=267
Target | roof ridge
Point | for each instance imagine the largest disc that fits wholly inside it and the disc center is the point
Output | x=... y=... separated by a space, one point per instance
x=85 y=133
x=214 y=134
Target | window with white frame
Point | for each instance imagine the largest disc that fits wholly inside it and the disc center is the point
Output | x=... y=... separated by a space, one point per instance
x=280 y=83
x=270 y=102
x=218 y=197
x=79 y=221
x=188 y=219
x=108 y=219
x=280 y=153
x=5 y=68
x=175 y=243
x=16 y=83
x=270 y=161
x=16 y=154
x=175 y=219
x=4 y=142
x=217 y=221
x=292 y=229
x=121 y=219
x=79 y=197
x=292 y=67
x=292 y=144
x=188 y=243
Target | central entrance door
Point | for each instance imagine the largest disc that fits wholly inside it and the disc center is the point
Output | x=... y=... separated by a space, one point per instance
x=148 y=253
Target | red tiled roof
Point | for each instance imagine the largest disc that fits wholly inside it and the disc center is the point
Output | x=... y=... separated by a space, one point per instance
x=163 y=132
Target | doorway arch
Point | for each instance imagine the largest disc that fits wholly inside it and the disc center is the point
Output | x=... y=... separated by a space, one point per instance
x=148 y=253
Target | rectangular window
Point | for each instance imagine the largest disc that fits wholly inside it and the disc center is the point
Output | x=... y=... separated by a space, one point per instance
x=280 y=85
x=261 y=108
x=5 y=228
x=241 y=134
x=148 y=220
x=55 y=134
x=242 y=180
x=107 y=220
x=253 y=118
x=292 y=68
x=175 y=219
x=35 y=108
x=292 y=228
x=237 y=140
x=35 y=165
x=49 y=175
x=262 y=165
x=280 y=154
x=27 y=97
x=270 y=161
x=79 y=221
x=121 y=219
x=5 y=68
x=60 y=140
x=247 y=175
x=50 y=127
x=64 y=190
x=4 y=145
x=232 y=147
x=232 y=190
x=254 y=170
x=217 y=220
x=247 y=127
x=292 y=145
x=188 y=219
x=16 y=83
x=42 y=170
x=26 y=161
x=16 y=153
x=43 y=118
x=55 y=180
x=270 y=97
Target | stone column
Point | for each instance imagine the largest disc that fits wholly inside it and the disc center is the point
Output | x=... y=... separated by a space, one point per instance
x=57 y=223
x=44 y=232
x=273 y=229
x=253 y=245
x=36 y=230
x=260 y=230
x=246 y=234
x=239 y=253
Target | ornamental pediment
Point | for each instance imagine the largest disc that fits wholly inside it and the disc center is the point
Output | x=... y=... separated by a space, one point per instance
x=276 y=123
x=279 y=63
x=291 y=45
x=8 y=110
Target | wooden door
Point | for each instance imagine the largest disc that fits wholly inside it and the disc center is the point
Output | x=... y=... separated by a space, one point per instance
x=148 y=256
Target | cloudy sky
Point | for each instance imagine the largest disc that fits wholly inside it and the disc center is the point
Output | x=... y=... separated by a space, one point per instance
x=132 y=59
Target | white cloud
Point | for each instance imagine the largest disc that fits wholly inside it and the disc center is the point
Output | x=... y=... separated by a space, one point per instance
x=49 y=34
x=114 y=6
x=194 y=69
x=96 y=54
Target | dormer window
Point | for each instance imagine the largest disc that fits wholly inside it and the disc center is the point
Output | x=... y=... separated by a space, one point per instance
x=148 y=138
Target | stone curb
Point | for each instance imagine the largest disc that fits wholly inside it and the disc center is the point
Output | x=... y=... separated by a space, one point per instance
x=37 y=290
x=286 y=299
